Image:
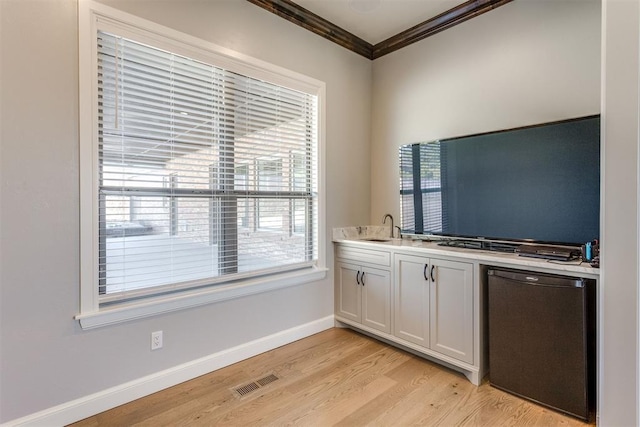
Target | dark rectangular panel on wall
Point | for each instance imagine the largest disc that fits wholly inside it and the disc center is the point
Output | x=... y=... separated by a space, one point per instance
x=538 y=183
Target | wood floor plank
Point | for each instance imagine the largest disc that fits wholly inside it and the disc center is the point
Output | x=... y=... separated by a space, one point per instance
x=408 y=377
x=335 y=378
x=344 y=390
x=314 y=350
x=318 y=388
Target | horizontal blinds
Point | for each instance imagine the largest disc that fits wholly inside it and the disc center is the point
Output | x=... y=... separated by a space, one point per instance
x=205 y=175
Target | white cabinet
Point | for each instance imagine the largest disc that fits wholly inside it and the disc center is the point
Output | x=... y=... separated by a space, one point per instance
x=433 y=304
x=348 y=290
x=363 y=290
x=411 y=299
x=451 y=309
x=425 y=298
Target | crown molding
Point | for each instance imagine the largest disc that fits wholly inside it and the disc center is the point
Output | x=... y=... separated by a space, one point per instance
x=448 y=19
x=320 y=26
x=306 y=19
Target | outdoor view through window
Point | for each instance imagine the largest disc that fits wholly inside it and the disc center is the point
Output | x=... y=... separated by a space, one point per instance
x=205 y=174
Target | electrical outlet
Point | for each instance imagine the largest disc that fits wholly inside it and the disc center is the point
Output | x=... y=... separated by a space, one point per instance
x=156 y=340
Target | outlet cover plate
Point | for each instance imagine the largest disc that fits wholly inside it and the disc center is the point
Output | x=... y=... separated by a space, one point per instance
x=156 y=340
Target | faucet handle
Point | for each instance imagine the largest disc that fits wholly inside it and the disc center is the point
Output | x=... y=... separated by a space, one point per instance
x=399 y=232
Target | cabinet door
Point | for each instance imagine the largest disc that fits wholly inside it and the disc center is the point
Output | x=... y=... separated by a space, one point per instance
x=348 y=292
x=451 y=311
x=411 y=299
x=376 y=298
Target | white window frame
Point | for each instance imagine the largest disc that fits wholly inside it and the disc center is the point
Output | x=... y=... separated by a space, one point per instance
x=91 y=314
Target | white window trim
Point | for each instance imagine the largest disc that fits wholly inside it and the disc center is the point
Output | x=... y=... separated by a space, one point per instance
x=91 y=314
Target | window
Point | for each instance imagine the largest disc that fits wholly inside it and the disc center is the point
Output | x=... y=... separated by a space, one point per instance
x=204 y=174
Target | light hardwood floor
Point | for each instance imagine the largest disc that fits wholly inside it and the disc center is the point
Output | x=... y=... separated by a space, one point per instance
x=337 y=377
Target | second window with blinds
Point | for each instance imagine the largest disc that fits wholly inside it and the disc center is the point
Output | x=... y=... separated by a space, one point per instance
x=205 y=175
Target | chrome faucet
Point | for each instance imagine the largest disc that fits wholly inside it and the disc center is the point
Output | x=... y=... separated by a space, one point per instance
x=384 y=221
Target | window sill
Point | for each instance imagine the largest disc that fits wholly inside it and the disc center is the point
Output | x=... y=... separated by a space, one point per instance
x=154 y=306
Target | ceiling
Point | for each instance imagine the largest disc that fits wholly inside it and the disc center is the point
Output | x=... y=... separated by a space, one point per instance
x=377 y=20
x=373 y=28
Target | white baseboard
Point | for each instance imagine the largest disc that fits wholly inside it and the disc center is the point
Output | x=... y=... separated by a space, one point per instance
x=87 y=406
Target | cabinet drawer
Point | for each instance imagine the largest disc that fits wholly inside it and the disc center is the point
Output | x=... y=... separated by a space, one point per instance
x=360 y=255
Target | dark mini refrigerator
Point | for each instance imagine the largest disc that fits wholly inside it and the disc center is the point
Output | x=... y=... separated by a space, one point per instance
x=542 y=339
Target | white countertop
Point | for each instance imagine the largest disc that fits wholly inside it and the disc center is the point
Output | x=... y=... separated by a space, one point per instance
x=359 y=236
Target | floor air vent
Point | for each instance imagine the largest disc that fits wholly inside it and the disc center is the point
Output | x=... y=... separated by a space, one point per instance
x=246 y=389
x=266 y=380
x=243 y=390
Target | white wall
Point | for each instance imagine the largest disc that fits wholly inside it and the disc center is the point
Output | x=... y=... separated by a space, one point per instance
x=46 y=359
x=527 y=62
x=619 y=329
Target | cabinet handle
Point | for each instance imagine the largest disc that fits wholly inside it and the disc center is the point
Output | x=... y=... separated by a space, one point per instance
x=358 y=277
x=424 y=273
x=432 y=268
x=362 y=278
